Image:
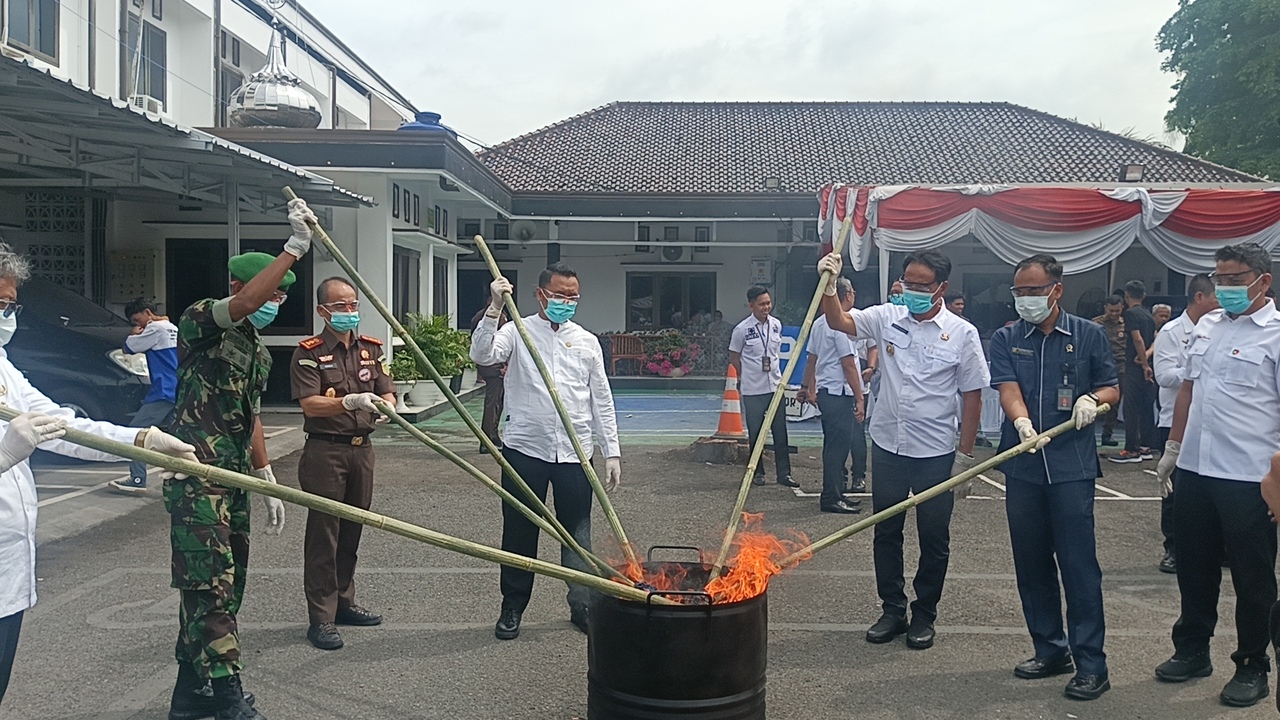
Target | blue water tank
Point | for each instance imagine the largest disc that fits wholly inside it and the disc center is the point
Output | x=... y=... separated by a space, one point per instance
x=426 y=122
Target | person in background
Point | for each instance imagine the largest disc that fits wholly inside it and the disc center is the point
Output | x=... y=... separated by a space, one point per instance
x=494 y=377
x=1161 y=313
x=1225 y=432
x=955 y=303
x=833 y=382
x=754 y=351
x=1112 y=322
x=1168 y=358
x=154 y=335
x=1052 y=367
x=718 y=326
x=868 y=360
x=1139 y=379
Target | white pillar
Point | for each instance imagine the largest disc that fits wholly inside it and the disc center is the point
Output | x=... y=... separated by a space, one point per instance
x=884 y=274
x=373 y=254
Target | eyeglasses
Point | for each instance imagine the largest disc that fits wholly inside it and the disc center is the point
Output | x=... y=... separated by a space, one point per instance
x=279 y=297
x=352 y=306
x=9 y=308
x=557 y=296
x=915 y=287
x=1032 y=290
x=1221 y=279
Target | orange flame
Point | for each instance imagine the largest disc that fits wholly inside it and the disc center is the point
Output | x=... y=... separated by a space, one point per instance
x=756 y=561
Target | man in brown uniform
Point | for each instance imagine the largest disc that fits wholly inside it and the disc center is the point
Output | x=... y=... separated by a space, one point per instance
x=337 y=376
x=1112 y=321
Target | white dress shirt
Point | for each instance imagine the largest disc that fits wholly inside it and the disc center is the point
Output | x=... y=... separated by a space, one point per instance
x=1166 y=362
x=753 y=341
x=1233 y=426
x=18 y=500
x=831 y=347
x=923 y=365
x=576 y=363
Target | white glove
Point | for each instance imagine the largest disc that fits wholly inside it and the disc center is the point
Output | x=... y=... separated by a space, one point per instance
x=1168 y=463
x=612 y=473
x=830 y=263
x=361 y=401
x=300 y=242
x=962 y=463
x=1085 y=411
x=275 y=506
x=496 y=289
x=1026 y=431
x=24 y=433
x=156 y=439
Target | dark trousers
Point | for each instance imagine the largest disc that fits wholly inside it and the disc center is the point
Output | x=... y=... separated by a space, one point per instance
x=1166 y=504
x=892 y=477
x=343 y=473
x=755 y=407
x=858 y=449
x=1110 y=419
x=493 y=401
x=573 y=510
x=837 y=439
x=1048 y=522
x=10 y=625
x=1211 y=516
x=158 y=413
x=1139 y=411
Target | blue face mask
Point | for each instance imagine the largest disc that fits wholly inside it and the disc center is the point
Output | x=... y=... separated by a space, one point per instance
x=560 y=311
x=897 y=299
x=264 y=315
x=1234 y=298
x=918 y=303
x=344 y=321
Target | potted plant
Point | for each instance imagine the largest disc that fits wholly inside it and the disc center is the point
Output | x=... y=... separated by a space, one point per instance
x=404 y=375
x=670 y=354
x=448 y=350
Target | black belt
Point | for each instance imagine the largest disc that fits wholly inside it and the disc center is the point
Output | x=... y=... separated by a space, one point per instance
x=355 y=440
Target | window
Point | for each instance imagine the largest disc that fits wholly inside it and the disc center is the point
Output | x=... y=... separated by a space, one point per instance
x=671 y=234
x=642 y=236
x=157 y=9
x=470 y=229
x=406 y=286
x=235 y=52
x=229 y=80
x=667 y=300
x=702 y=236
x=146 y=60
x=440 y=286
x=501 y=231
x=33 y=26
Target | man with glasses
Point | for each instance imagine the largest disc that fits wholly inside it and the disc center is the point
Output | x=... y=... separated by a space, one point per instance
x=1052 y=367
x=535 y=442
x=927 y=356
x=337 y=376
x=1226 y=429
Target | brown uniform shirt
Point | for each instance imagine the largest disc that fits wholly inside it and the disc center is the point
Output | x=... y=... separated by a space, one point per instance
x=1115 y=333
x=324 y=365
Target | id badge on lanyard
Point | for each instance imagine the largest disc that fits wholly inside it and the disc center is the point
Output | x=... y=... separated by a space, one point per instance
x=1066 y=392
x=766 y=362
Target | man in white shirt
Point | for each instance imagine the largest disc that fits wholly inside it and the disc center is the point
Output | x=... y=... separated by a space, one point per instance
x=1169 y=350
x=927 y=355
x=1225 y=431
x=833 y=382
x=755 y=351
x=535 y=442
x=41 y=424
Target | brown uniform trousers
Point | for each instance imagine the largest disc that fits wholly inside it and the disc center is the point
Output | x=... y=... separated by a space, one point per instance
x=337 y=462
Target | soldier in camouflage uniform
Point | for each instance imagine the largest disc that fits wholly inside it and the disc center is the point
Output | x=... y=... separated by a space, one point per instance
x=222 y=372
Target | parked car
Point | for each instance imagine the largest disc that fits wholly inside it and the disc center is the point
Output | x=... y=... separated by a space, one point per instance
x=72 y=350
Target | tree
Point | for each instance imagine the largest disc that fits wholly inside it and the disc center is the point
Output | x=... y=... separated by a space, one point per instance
x=1226 y=54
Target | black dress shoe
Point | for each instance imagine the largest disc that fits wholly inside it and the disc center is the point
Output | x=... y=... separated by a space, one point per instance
x=1248 y=686
x=1037 y=667
x=1181 y=668
x=1169 y=564
x=786 y=481
x=848 y=507
x=324 y=636
x=758 y=480
x=356 y=615
x=579 y=618
x=886 y=628
x=508 y=627
x=920 y=634
x=860 y=485
x=1087 y=687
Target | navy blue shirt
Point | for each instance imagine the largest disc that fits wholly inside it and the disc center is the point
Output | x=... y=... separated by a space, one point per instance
x=1077 y=354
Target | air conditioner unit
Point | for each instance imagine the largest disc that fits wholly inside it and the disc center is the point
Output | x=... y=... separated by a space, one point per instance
x=146 y=103
x=676 y=254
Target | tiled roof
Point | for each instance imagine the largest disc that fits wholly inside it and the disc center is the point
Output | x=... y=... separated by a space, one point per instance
x=731 y=147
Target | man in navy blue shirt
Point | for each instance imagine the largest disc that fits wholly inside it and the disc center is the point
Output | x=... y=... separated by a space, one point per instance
x=1051 y=367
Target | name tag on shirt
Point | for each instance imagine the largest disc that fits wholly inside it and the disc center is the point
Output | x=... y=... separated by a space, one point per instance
x=899 y=328
x=1022 y=352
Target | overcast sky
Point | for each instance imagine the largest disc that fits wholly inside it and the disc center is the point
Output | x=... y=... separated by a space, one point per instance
x=500 y=68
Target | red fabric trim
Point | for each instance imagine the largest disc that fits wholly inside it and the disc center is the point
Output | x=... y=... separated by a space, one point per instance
x=1051 y=209
x=1224 y=214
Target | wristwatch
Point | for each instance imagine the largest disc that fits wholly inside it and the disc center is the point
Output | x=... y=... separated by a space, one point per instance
x=1095 y=397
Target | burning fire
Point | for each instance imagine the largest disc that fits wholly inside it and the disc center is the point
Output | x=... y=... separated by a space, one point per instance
x=755 y=560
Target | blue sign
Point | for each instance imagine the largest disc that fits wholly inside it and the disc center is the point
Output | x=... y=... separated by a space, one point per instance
x=789 y=336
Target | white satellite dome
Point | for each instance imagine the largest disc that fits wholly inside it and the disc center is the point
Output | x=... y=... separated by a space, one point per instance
x=273 y=97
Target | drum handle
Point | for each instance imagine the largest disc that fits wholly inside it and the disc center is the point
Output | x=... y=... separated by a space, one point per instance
x=649 y=598
x=649 y=555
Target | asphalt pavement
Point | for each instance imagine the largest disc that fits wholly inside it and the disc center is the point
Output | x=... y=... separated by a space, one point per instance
x=100 y=642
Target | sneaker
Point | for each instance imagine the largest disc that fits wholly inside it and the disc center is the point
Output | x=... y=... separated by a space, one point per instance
x=1108 y=441
x=1124 y=456
x=1169 y=564
x=132 y=486
x=1248 y=686
x=324 y=636
x=1146 y=454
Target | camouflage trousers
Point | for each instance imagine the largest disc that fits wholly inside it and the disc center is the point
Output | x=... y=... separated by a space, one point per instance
x=209 y=534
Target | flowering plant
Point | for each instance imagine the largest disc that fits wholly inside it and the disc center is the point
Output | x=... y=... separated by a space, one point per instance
x=670 y=354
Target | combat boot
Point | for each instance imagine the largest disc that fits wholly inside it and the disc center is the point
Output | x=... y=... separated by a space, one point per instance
x=193 y=697
x=228 y=698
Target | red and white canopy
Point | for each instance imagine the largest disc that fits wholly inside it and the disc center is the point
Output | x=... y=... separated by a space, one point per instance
x=1084 y=228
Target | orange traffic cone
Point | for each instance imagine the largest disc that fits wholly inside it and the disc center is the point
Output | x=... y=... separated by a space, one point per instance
x=731 y=410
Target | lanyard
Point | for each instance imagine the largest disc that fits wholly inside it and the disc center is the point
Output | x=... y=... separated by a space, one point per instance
x=764 y=336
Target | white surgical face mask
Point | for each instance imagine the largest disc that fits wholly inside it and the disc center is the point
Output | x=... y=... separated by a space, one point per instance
x=1033 y=309
x=8 y=325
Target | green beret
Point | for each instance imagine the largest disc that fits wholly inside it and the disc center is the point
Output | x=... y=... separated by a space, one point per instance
x=245 y=266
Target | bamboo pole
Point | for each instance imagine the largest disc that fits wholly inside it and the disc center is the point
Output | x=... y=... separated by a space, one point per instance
x=605 y=504
x=501 y=492
x=221 y=476
x=964 y=477
x=757 y=450
x=425 y=365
